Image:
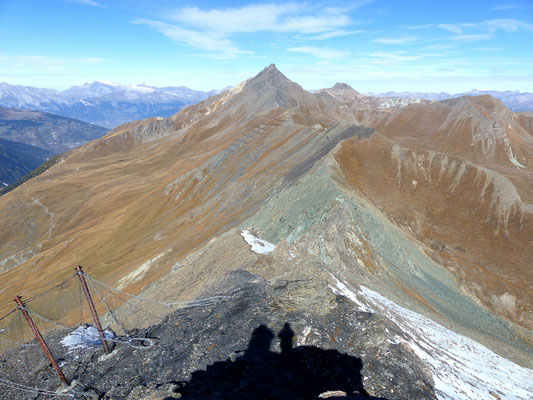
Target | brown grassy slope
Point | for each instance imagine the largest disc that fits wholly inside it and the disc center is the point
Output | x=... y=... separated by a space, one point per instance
x=471 y=217
x=152 y=191
x=156 y=187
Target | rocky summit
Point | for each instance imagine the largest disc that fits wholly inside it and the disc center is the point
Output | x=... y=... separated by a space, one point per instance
x=274 y=243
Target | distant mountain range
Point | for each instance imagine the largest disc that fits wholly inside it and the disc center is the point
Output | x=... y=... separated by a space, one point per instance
x=103 y=103
x=513 y=99
x=28 y=138
x=110 y=104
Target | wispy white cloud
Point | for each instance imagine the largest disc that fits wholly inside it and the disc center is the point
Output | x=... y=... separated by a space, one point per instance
x=398 y=40
x=86 y=2
x=504 y=7
x=38 y=60
x=213 y=42
x=314 y=24
x=489 y=49
x=213 y=30
x=326 y=53
x=393 y=56
x=457 y=28
x=334 y=34
x=416 y=27
x=509 y=25
x=251 y=18
x=439 y=46
x=453 y=28
x=473 y=37
x=289 y=17
x=491 y=25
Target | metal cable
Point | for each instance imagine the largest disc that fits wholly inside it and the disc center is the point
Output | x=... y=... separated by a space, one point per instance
x=9 y=313
x=130 y=339
x=49 y=290
x=108 y=309
x=183 y=304
x=24 y=388
x=136 y=307
x=44 y=318
x=18 y=343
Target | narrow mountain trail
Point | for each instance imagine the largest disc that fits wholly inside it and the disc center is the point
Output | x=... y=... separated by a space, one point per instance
x=37 y=202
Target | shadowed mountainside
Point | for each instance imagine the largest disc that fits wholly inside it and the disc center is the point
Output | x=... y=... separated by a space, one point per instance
x=29 y=138
x=17 y=159
x=49 y=132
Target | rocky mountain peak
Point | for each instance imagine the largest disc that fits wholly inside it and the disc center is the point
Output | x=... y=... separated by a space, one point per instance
x=273 y=76
x=343 y=86
x=271 y=89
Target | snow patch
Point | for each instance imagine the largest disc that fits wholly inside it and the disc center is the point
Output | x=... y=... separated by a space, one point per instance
x=108 y=83
x=141 y=88
x=84 y=337
x=461 y=367
x=509 y=152
x=342 y=289
x=398 y=102
x=258 y=246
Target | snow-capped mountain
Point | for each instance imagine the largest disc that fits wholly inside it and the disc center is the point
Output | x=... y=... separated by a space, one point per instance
x=103 y=103
x=513 y=99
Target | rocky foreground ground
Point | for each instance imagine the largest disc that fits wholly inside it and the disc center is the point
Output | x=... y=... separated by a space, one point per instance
x=287 y=339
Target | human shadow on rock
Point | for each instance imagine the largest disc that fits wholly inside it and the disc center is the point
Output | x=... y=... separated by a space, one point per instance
x=302 y=372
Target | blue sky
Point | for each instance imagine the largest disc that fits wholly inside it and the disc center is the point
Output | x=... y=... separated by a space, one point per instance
x=375 y=45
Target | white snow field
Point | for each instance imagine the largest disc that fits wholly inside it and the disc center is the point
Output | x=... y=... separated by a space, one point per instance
x=258 y=246
x=461 y=367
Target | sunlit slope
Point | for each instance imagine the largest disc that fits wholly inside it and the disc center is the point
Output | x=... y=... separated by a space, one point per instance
x=163 y=186
x=471 y=218
x=450 y=179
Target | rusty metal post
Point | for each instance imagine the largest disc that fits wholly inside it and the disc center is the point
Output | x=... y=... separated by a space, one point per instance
x=79 y=270
x=40 y=339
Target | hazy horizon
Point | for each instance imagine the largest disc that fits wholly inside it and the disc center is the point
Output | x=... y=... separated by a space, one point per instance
x=133 y=85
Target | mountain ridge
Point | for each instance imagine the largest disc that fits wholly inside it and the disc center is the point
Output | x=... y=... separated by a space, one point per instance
x=159 y=206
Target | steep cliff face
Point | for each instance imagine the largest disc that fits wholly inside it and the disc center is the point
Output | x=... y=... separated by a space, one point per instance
x=422 y=204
